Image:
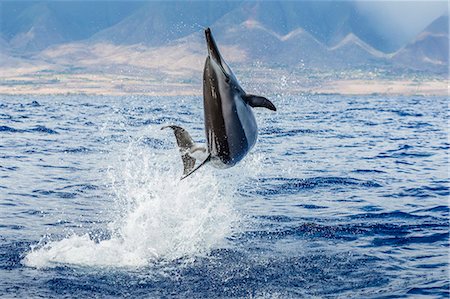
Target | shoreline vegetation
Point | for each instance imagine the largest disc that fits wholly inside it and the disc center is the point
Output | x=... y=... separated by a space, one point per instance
x=187 y=82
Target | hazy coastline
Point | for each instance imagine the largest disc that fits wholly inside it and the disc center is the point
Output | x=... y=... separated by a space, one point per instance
x=109 y=84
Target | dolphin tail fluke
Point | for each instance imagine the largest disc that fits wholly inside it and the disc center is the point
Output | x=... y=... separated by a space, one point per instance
x=187 y=148
x=201 y=164
x=188 y=163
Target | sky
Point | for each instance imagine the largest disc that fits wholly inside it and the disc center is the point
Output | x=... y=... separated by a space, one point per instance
x=402 y=19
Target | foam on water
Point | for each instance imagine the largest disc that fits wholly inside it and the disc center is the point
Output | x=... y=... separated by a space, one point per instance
x=158 y=217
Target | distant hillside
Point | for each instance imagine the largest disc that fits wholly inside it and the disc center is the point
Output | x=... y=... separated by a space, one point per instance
x=160 y=22
x=33 y=26
x=439 y=26
x=265 y=45
x=328 y=21
x=38 y=28
x=352 y=51
x=306 y=34
x=297 y=48
x=430 y=49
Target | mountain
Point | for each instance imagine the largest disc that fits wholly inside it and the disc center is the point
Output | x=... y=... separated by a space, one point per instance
x=430 y=49
x=306 y=34
x=352 y=51
x=34 y=26
x=438 y=26
x=38 y=29
x=327 y=21
x=260 y=43
x=274 y=32
x=158 y=22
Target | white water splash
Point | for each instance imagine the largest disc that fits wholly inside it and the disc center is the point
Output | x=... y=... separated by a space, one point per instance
x=159 y=216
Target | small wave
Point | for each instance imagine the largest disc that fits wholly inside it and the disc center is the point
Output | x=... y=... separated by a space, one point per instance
x=309 y=230
x=59 y=167
x=23 y=194
x=294 y=185
x=97 y=106
x=5 y=116
x=76 y=150
x=443 y=209
x=8 y=129
x=55 y=193
x=311 y=207
x=277 y=218
x=13 y=226
x=368 y=171
x=80 y=187
x=372 y=231
x=402 y=148
x=405 y=155
x=371 y=208
x=428 y=239
x=361 y=109
x=404 y=151
x=403 y=113
x=10 y=168
x=422 y=192
x=35 y=104
x=40 y=129
x=394 y=214
x=277 y=132
x=418 y=125
x=438 y=290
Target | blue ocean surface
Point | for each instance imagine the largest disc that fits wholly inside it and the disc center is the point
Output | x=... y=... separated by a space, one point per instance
x=341 y=197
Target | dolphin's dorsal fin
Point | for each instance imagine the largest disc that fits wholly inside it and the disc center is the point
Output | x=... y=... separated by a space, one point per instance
x=258 y=101
x=187 y=148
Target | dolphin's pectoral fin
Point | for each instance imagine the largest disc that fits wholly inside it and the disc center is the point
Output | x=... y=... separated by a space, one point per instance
x=201 y=164
x=187 y=148
x=258 y=101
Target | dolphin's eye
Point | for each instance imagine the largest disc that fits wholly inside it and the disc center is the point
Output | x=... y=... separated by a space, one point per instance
x=227 y=79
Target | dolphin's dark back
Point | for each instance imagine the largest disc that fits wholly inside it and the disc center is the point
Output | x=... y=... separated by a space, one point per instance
x=225 y=133
x=215 y=127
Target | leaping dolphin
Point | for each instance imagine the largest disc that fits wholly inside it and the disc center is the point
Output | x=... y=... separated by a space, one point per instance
x=230 y=125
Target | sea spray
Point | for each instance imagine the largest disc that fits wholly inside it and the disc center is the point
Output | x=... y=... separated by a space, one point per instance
x=157 y=216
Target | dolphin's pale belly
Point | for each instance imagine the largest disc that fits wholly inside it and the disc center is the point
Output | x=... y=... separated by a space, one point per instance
x=247 y=120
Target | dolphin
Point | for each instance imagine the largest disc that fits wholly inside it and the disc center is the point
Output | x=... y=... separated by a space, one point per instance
x=230 y=126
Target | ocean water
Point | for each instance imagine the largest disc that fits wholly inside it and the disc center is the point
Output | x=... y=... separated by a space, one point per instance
x=341 y=197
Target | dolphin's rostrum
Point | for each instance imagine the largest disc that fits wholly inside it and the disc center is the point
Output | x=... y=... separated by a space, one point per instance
x=230 y=125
